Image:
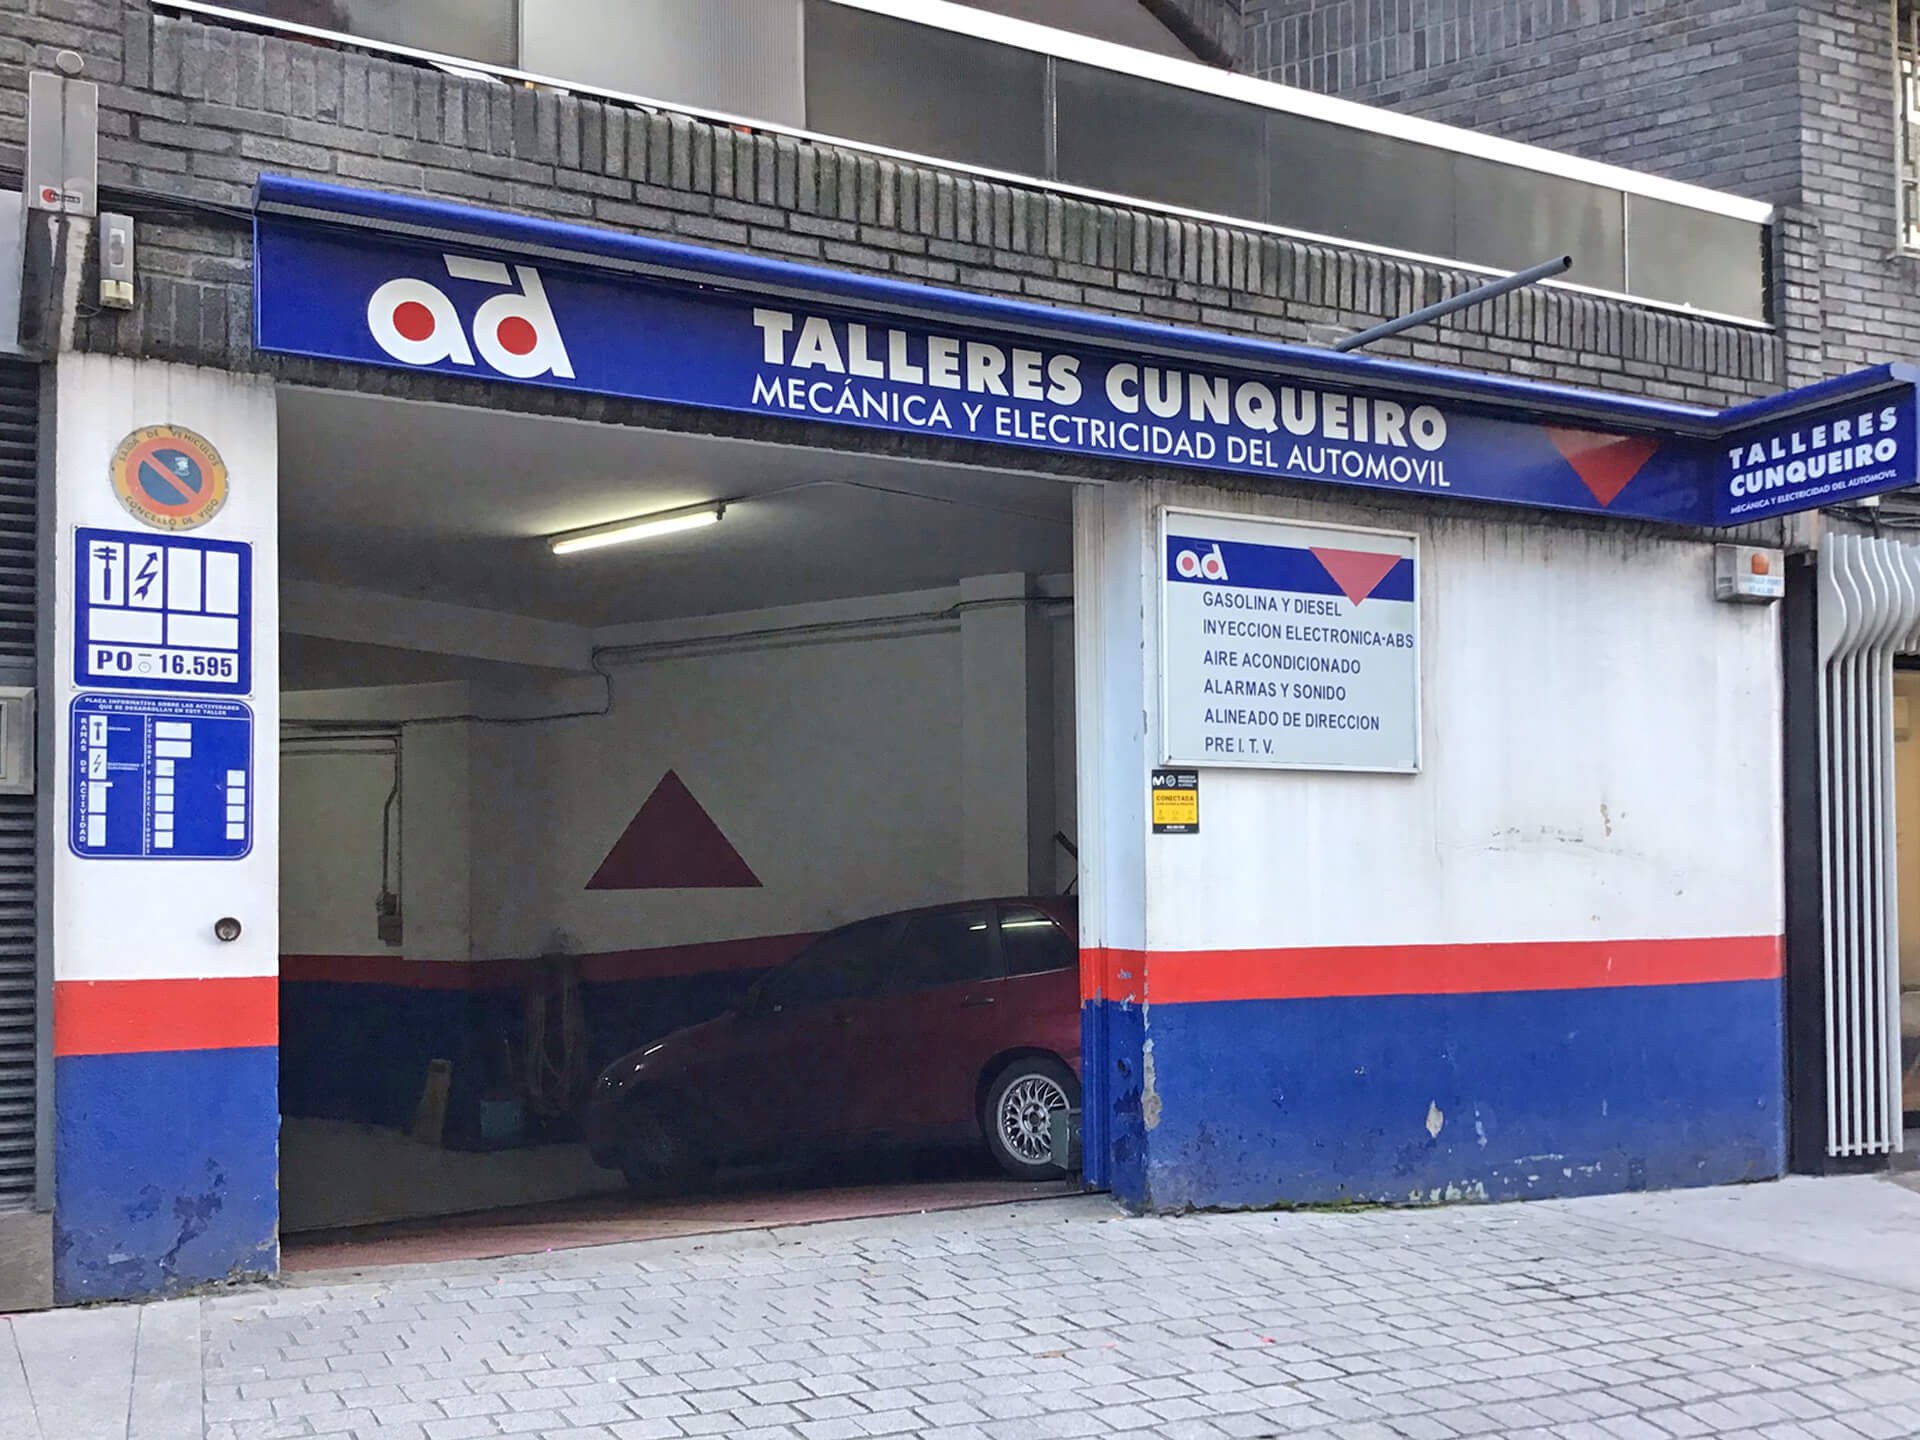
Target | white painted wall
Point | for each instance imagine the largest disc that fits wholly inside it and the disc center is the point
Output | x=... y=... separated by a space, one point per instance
x=1601 y=759
x=1112 y=553
x=331 y=801
x=153 y=919
x=834 y=766
x=436 y=839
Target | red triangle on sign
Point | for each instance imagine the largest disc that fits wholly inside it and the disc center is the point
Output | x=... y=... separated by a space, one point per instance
x=1604 y=463
x=1358 y=573
x=673 y=844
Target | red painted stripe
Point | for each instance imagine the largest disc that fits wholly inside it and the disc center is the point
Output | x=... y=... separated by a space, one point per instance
x=383 y=970
x=603 y=967
x=1115 y=975
x=1169 y=977
x=1176 y=977
x=125 y=1017
x=756 y=953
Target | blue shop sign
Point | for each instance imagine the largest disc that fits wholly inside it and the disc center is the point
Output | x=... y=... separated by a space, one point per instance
x=374 y=279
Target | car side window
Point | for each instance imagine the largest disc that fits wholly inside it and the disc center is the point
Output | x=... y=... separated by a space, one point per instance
x=947 y=947
x=1033 y=943
x=842 y=965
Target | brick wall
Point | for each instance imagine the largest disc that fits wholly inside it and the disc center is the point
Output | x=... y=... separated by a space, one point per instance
x=194 y=113
x=1861 y=301
x=1704 y=92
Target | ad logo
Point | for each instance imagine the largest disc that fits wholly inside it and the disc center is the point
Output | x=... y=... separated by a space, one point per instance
x=515 y=332
x=1192 y=566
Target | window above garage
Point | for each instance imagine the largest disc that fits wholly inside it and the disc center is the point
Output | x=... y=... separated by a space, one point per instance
x=970 y=88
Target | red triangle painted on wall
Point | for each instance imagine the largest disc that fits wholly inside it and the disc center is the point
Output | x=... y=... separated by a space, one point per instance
x=673 y=844
x=1358 y=573
x=1604 y=463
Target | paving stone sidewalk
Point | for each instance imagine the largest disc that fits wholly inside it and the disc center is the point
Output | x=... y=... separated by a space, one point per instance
x=1780 y=1310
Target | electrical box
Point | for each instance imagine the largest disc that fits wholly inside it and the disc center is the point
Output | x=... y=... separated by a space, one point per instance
x=16 y=740
x=1748 y=574
x=116 y=261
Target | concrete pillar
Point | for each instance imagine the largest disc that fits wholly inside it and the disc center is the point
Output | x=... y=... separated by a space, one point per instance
x=165 y=1034
x=436 y=840
x=1113 y=634
x=1006 y=738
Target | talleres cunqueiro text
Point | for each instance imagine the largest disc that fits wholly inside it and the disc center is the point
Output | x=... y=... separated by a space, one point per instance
x=842 y=370
x=1836 y=452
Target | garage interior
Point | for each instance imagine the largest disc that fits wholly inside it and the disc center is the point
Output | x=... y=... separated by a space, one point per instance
x=540 y=810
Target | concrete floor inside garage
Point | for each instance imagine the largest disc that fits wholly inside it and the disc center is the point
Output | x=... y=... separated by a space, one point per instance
x=603 y=792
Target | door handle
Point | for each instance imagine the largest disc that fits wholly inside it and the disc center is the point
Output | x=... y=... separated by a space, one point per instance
x=843 y=1019
x=973 y=1000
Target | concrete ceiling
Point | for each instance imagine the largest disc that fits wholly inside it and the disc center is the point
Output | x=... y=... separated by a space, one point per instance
x=455 y=504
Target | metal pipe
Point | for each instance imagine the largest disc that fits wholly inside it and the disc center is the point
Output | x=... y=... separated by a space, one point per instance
x=1546 y=269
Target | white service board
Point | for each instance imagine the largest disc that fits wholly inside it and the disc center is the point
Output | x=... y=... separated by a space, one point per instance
x=1287 y=645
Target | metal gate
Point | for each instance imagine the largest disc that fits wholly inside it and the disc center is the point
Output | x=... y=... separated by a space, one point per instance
x=19 y=465
x=1869 y=610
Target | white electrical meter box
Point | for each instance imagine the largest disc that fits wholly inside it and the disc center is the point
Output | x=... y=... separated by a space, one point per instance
x=1747 y=573
x=16 y=740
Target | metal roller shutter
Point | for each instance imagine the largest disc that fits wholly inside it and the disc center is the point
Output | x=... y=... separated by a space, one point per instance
x=19 y=449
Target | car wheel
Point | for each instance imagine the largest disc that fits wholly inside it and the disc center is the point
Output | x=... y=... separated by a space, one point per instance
x=659 y=1155
x=1018 y=1114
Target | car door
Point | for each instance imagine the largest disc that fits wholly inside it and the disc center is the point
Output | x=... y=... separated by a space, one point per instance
x=788 y=1078
x=920 y=1042
x=1040 y=999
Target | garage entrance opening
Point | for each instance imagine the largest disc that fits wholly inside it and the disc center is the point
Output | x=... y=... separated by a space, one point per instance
x=666 y=878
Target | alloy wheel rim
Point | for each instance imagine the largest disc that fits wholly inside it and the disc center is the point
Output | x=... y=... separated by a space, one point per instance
x=1025 y=1117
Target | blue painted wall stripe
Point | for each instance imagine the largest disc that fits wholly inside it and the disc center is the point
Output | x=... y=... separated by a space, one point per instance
x=166 y=1171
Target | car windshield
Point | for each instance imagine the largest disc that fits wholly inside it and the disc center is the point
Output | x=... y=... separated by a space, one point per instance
x=838 y=966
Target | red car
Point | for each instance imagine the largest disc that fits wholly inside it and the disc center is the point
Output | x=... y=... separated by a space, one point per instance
x=959 y=1021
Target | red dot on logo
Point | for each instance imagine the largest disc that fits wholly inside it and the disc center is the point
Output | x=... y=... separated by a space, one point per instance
x=517 y=336
x=413 y=321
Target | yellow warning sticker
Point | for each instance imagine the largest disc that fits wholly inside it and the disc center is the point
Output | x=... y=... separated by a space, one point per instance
x=1176 y=802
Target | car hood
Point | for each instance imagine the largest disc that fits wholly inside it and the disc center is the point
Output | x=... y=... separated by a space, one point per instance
x=666 y=1054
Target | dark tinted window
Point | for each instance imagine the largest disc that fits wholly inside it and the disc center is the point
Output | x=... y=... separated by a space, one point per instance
x=1135 y=137
x=839 y=966
x=1691 y=258
x=929 y=91
x=485 y=30
x=1355 y=185
x=949 y=947
x=1511 y=217
x=1033 y=944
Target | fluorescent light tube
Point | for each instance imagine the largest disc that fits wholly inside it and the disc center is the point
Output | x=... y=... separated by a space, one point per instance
x=642 y=527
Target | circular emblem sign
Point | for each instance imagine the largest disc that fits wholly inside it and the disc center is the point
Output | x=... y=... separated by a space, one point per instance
x=170 y=478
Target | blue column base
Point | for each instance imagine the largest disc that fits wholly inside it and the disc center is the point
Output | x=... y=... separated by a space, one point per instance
x=166 y=1172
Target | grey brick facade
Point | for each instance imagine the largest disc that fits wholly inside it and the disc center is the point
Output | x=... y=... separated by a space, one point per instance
x=190 y=113
x=1790 y=101
x=1700 y=92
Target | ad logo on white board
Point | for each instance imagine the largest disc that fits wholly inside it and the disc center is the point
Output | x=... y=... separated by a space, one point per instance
x=416 y=323
x=1194 y=566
